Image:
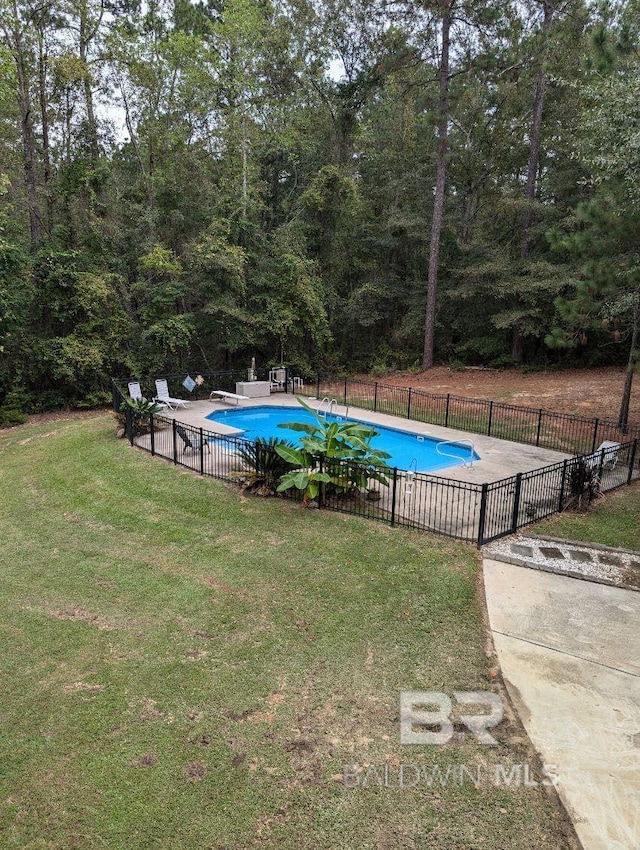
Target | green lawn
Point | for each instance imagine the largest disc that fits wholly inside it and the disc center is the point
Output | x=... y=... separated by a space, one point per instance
x=614 y=520
x=188 y=667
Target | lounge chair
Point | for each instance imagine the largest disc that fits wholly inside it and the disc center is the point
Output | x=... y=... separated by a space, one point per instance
x=135 y=393
x=610 y=449
x=191 y=440
x=162 y=395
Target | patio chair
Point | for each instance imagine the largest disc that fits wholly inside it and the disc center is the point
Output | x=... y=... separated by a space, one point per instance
x=191 y=440
x=163 y=397
x=135 y=393
x=610 y=448
x=277 y=377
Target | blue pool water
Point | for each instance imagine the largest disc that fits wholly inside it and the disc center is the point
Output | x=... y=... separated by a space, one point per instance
x=407 y=450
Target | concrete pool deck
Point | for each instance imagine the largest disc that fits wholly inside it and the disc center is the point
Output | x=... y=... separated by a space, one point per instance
x=498 y=458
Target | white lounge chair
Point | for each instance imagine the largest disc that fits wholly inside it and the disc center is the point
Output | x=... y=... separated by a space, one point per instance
x=163 y=397
x=610 y=449
x=135 y=393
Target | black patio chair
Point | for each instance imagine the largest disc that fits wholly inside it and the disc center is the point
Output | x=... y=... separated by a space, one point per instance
x=191 y=440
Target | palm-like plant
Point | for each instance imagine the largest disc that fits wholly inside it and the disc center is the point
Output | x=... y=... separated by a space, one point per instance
x=344 y=449
x=264 y=465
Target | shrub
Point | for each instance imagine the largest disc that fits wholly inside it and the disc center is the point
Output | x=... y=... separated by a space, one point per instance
x=264 y=465
x=14 y=408
x=583 y=485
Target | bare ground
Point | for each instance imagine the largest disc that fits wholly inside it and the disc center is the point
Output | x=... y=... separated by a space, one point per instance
x=588 y=392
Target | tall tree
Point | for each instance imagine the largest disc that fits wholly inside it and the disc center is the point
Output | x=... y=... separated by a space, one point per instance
x=15 y=25
x=441 y=176
x=606 y=239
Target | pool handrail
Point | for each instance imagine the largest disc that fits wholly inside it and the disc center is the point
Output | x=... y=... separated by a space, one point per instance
x=460 y=442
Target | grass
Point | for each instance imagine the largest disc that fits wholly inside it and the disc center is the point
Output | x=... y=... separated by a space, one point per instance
x=184 y=666
x=614 y=520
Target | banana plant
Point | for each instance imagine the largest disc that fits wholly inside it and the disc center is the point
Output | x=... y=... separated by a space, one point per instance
x=307 y=477
x=345 y=447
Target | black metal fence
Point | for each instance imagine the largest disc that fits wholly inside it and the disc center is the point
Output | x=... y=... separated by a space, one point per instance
x=537 y=427
x=476 y=513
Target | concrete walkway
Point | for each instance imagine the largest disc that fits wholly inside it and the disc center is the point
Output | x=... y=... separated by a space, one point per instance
x=569 y=651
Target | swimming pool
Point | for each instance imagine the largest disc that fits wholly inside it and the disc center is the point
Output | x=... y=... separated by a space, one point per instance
x=407 y=450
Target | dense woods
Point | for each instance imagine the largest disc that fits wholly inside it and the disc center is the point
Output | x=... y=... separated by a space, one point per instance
x=341 y=185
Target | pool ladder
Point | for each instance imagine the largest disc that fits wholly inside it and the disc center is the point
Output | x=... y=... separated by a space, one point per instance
x=457 y=457
x=328 y=410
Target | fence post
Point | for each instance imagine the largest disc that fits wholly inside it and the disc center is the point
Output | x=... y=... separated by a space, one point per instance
x=116 y=395
x=490 y=418
x=152 y=432
x=565 y=463
x=446 y=412
x=345 y=392
x=539 y=427
x=393 y=496
x=129 y=424
x=375 y=396
x=201 y=451
x=318 y=387
x=483 y=513
x=516 y=503
x=409 y=405
x=175 y=445
x=594 y=442
x=632 y=460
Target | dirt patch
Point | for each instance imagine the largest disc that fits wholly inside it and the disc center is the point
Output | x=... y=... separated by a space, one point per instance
x=78 y=614
x=145 y=760
x=62 y=415
x=587 y=392
x=195 y=771
x=149 y=713
x=74 y=687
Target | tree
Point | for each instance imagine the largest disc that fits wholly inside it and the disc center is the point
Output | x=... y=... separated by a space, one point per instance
x=17 y=36
x=608 y=228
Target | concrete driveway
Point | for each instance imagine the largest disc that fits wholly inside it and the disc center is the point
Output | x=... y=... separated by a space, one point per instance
x=569 y=651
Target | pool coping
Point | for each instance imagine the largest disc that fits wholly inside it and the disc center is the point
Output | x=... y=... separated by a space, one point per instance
x=499 y=458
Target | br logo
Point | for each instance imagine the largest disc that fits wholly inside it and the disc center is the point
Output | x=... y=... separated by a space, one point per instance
x=423 y=711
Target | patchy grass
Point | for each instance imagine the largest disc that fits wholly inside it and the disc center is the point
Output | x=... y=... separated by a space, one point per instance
x=187 y=667
x=614 y=520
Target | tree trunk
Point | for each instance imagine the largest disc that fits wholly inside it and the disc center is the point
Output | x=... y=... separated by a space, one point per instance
x=15 y=40
x=438 y=200
x=517 y=345
x=623 y=417
x=85 y=38
x=534 y=164
x=44 y=119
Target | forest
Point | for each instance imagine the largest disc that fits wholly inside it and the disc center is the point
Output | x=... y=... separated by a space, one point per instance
x=343 y=185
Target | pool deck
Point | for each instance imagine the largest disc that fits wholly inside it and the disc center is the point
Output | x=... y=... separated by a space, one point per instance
x=498 y=458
